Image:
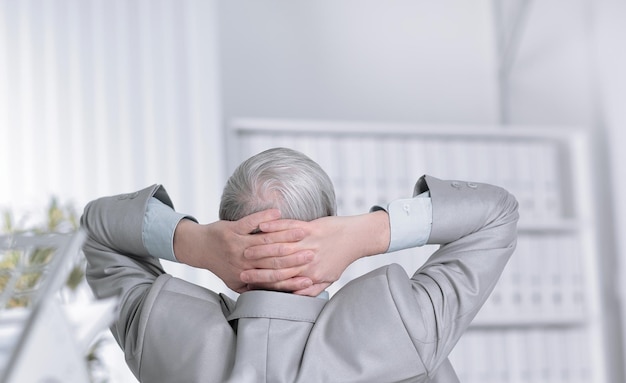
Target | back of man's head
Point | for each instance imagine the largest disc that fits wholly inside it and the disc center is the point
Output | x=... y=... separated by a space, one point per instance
x=279 y=178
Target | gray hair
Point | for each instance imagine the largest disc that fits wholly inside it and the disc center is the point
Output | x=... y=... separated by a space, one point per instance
x=279 y=178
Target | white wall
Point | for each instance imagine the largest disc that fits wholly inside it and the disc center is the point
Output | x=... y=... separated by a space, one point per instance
x=552 y=77
x=397 y=60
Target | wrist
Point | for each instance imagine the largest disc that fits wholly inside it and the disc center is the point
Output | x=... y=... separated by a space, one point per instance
x=379 y=232
x=185 y=237
x=374 y=234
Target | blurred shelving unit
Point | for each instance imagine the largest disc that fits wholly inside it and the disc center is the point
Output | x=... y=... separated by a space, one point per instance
x=543 y=322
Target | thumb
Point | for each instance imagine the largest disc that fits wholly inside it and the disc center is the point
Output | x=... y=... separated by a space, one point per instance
x=250 y=223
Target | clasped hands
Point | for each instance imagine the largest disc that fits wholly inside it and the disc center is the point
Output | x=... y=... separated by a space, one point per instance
x=283 y=255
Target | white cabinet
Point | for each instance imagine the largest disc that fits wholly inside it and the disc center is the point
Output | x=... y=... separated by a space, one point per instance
x=543 y=322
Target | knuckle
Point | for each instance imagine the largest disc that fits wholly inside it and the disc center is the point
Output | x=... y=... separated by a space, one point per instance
x=248 y=253
x=277 y=276
x=244 y=265
x=284 y=249
x=276 y=264
x=297 y=235
x=317 y=277
x=280 y=249
x=279 y=286
x=306 y=256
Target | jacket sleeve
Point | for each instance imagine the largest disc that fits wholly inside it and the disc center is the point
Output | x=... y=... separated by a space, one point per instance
x=118 y=263
x=476 y=226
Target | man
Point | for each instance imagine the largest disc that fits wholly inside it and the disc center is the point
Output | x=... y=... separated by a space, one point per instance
x=380 y=327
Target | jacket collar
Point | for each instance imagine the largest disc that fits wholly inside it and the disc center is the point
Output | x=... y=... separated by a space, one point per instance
x=277 y=305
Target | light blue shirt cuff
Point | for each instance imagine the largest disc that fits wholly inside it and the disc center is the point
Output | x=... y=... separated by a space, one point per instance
x=159 y=224
x=323 y=295
x=410 y=221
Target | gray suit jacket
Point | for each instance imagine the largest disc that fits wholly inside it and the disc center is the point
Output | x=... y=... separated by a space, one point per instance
x=380 y=327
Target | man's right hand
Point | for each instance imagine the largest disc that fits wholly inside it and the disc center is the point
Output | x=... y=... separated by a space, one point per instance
x=332 y=243
x=219 y=247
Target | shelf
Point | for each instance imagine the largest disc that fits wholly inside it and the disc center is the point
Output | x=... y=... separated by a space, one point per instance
x=548 y=226
x=528 y=321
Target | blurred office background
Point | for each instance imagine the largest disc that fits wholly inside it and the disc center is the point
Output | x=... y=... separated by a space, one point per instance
x=99 y=97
